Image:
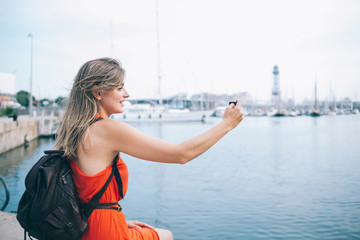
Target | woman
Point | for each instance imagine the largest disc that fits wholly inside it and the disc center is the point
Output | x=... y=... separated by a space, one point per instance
x=98 y=91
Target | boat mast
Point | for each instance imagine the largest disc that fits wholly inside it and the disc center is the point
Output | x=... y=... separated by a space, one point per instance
x=158 y=54
x=111 y=39
x=316 y=105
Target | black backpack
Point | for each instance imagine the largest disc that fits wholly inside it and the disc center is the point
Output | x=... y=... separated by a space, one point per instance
x=50 y=207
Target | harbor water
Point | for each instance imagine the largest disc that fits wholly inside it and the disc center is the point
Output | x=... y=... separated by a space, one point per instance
x=270 y=178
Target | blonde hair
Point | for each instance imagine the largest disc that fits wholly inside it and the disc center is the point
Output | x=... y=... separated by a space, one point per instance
x=81 y=107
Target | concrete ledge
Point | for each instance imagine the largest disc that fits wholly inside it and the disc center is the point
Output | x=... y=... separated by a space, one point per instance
x=13 y=134
x=10 y=228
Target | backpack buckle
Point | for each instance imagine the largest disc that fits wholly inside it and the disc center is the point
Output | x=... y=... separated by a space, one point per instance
x=119 y=208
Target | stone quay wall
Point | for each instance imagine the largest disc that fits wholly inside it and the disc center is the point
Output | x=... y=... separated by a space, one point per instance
x=13 y=134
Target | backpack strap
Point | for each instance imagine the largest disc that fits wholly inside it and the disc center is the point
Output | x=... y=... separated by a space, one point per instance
x=118 y=178
x=109 y=206
x=94 y=202
x=61 y=152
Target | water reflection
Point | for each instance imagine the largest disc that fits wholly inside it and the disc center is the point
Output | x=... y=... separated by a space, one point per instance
x=11 y=159
x=285 y=178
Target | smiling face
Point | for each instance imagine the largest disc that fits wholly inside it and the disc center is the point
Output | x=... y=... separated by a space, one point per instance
x=113 y=101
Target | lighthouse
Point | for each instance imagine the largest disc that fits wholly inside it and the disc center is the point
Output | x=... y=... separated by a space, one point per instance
x=276 y=94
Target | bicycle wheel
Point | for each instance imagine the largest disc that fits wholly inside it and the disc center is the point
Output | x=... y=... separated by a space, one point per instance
x=4 y=194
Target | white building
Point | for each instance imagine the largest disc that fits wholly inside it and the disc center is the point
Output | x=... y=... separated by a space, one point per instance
x=8 y=90
x=7 y=83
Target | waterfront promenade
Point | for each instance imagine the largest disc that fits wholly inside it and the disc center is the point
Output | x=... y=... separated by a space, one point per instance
x=10 y=229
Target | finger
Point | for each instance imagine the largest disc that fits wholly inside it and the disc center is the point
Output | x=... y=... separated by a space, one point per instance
x=144 y=225
x=231 y=106
x=238 y=103
x=133 y=226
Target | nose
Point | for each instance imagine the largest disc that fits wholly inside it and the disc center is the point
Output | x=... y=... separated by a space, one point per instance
x=126 y=94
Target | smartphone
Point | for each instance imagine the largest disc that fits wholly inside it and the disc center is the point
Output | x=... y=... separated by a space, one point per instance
x=233 y=103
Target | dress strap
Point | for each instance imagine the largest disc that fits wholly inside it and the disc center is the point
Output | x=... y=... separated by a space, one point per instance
x=96 y=118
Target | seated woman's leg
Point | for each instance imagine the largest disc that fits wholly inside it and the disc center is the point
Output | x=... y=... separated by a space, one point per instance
x=164 y=234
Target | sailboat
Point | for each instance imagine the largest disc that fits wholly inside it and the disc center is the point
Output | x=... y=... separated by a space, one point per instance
x=332 y=104
x=156 y=111
x=316 y=112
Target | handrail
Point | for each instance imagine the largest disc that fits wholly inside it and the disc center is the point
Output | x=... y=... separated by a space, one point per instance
x=7 y=193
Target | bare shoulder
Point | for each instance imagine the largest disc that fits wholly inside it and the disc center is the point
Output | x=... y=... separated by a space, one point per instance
x=110 y=125
x=112 y=130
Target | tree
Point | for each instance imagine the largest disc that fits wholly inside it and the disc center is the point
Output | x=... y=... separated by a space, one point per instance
x=45 y=102
x=60 y=101
x=7 y=111
x=22 y=97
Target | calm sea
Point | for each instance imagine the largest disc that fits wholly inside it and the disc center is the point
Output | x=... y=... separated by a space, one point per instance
x=270 y=178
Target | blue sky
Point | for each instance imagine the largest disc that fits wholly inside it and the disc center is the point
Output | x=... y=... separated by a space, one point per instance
x=222 y=46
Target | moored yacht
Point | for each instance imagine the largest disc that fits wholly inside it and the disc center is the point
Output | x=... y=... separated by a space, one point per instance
x=159 y=113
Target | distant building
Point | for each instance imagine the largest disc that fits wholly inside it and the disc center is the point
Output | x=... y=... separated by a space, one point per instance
x=8 y=100
x=7 y=89
x=8 y=83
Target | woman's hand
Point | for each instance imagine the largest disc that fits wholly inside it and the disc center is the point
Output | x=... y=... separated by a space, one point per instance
x=136 y=224
x=233 y=114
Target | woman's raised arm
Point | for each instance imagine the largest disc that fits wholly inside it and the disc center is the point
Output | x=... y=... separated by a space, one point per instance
x=124 y=138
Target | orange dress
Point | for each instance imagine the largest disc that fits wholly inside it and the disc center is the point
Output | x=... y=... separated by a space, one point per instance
x=107 y=223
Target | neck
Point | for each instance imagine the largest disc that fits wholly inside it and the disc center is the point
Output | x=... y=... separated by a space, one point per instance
x=102 y=113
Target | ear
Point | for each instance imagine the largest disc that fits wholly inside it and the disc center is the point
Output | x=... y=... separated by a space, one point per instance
x=96 y=93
